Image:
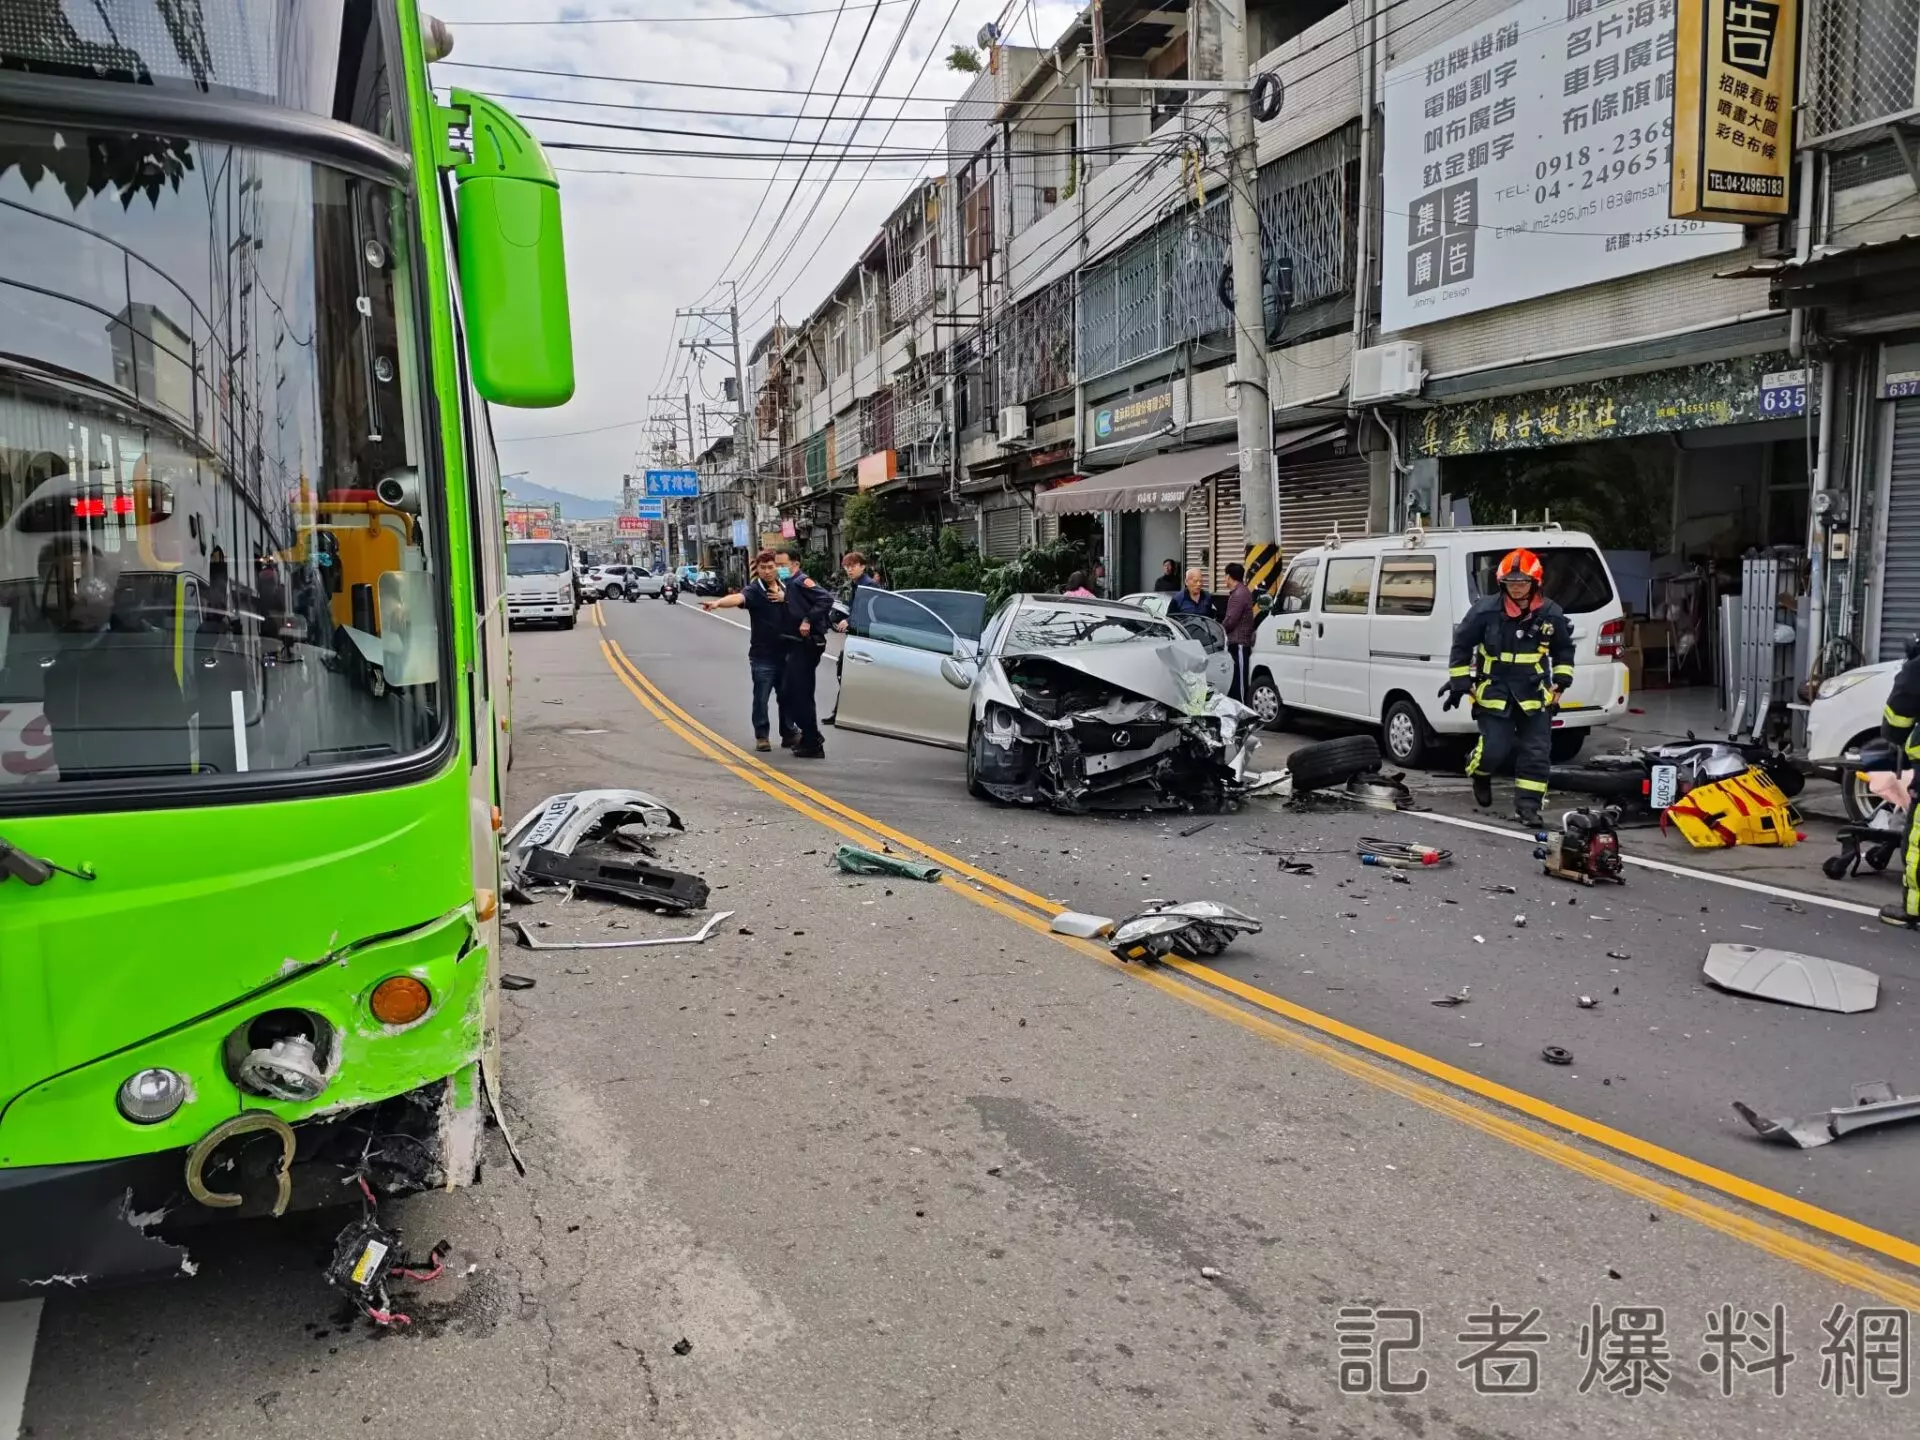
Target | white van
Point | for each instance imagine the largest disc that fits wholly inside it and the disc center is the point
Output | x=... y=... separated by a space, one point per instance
x=1361 y=629
x=540 y=582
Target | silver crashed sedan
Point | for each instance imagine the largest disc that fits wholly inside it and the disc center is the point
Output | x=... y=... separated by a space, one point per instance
x=1072 y=703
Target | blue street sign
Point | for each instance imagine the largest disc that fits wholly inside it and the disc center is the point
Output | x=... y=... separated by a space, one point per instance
x=673 y=483
x=650 y=509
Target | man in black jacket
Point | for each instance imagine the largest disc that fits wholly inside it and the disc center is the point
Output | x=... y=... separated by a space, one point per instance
x=1900 y=723
x=766 y=606
x=809 y=616
x=1521 y=644
x=858 y=577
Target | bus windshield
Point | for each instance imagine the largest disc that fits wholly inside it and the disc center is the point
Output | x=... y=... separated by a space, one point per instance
x=209 y=363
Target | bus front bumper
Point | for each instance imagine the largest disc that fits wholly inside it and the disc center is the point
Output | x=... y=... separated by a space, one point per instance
x=112 y=1222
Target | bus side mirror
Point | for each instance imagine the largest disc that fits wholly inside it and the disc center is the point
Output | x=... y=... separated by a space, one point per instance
x=513 y=266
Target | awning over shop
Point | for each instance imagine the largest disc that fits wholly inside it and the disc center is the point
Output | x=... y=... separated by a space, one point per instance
x=1160 y=482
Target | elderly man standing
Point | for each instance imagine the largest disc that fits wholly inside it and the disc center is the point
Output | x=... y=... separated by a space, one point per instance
x=1193 y=599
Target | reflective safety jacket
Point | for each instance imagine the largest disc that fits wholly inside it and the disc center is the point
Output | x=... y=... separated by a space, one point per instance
x=1900 y=721
x=1518 y=655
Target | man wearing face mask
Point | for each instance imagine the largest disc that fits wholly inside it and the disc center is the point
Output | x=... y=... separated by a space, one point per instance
x=809 y=616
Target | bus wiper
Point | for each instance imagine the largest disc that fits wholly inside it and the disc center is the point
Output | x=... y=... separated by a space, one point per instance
x=31 y=868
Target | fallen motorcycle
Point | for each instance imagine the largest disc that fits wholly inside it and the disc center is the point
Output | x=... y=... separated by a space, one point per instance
x=1653 y=777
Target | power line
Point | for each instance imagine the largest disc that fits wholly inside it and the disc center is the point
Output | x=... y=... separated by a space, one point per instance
x=786 y=205
x=902 y=119
x=565 y=434
x=834 y=224
x=653 y=19
x=774 y=179
x=707 y=85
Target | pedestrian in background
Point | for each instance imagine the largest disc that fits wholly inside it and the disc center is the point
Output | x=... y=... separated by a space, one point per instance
x=1169 y=581
x=1239 y=625
x=1077 y=586
x=858 y=576
x=809 y=616
x=765 y=601
x=1194 y=599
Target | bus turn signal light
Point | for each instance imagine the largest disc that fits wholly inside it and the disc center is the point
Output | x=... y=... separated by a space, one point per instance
x=399 y=1000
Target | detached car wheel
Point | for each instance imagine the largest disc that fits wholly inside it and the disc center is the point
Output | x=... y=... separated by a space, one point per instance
x=1333 y=762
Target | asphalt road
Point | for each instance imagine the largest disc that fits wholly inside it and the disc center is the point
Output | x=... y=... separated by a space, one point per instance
x=883 y=1159
x=1662 y=1056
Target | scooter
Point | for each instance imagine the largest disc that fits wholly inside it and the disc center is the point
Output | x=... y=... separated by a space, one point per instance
x=670 y=591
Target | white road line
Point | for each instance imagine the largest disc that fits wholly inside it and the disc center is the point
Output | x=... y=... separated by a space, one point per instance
x=19 y=1326
x=726 y=619
x=1779 y=892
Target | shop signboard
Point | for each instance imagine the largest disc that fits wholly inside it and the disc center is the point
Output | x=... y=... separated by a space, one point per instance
x=1733 y=109
x=1697 y=397
x=740 y=533
x=673 y=483
x=1528 y=155
x=630 y=524
x=1133 y=417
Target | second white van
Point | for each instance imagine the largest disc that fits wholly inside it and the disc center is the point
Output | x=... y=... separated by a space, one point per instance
x=1361 y=629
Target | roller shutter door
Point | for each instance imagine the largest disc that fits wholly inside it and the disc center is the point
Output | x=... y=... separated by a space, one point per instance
x=1900 y=575
x=1229 y=533
x=1197 y=525
x=1001 y=533
x=1319 y=489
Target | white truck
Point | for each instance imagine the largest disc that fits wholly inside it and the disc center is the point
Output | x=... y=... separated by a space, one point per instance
x=540 y=583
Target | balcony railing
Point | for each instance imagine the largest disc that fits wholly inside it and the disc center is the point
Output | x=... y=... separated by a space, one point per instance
x=1864 y=63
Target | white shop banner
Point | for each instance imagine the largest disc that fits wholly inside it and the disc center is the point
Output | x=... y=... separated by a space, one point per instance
x=1531 y=155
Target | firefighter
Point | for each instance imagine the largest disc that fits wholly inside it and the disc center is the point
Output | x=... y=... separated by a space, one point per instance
x=1898 y=724
x=1521 y=645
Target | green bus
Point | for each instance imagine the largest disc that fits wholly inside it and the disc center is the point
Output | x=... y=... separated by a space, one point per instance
x=258 y=286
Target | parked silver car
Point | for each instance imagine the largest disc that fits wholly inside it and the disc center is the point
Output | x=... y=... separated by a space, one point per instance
x=1077 y=704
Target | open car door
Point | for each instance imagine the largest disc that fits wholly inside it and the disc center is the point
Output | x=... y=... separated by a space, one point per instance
x=891 y=682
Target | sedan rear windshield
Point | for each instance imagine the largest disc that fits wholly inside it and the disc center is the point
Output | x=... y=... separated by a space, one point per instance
x=1577 y=579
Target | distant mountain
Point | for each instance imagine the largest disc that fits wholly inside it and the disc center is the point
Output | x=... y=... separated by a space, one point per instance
x=572 y=507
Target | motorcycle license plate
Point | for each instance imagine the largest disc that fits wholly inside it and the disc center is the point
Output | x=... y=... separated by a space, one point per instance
x=1666 y=781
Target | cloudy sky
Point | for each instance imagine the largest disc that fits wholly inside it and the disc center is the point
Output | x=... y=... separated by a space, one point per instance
x=648 y=233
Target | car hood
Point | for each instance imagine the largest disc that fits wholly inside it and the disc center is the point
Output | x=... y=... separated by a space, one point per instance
x=1174 y=672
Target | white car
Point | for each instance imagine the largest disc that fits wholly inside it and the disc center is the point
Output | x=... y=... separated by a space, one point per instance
x=1844 y=715
x=1361 y=629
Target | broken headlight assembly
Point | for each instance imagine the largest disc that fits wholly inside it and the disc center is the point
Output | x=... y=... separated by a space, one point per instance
x=1193 y=929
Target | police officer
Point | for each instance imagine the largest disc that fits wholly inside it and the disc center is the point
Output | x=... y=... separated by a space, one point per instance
x=1900 y=723
x=1521 y=645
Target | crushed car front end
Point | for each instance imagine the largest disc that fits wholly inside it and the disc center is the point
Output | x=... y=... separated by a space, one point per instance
x=1125 y=724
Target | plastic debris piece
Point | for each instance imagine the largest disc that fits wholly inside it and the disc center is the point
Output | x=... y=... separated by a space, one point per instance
x=1519 y=922
x=683 y=1346
x=1874 y=1104
x=852 y=860
x=1587 y=1002
x=1193 y=830
x=1557 y=1055
x=697 y=938
x=1448 y=1002
x=1207 y=1272
x=1500 y=889
x=516 y=982
x=1792 y=978
x=1081 y=926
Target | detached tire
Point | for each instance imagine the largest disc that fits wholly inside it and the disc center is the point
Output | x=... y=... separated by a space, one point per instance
x=1333 y=762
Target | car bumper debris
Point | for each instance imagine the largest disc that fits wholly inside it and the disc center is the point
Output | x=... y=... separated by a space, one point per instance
x=602 y=842
x=1874 y=1104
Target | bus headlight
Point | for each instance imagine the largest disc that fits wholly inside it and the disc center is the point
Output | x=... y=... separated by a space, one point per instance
x=149 y=1096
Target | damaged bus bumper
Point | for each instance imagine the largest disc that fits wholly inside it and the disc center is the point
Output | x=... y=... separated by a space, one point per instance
x=346 y=1096
x=114 y=1222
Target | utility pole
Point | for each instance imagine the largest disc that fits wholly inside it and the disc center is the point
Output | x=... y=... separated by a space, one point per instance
x=1261 y=524
x=1253 y=395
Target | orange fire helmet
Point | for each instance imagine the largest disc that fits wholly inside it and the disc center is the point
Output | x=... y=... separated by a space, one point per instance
x=1521 y=563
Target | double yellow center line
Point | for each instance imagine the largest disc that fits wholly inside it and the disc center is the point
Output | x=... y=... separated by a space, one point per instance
x=1409 y=1073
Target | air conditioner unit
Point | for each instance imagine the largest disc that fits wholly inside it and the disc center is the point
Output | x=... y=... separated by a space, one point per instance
x=1013 y=424
x=1386 y=372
